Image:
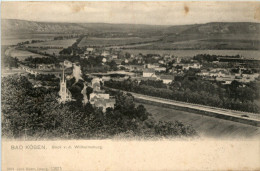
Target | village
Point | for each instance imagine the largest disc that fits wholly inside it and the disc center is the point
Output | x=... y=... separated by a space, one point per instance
x=125 y=66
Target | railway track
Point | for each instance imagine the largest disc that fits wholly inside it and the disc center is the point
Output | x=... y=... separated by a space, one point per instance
x=234 y=115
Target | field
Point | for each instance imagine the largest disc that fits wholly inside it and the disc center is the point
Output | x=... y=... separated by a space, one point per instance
x=13 y=39
x=20 y=54
x=206 y=126
x=205 y=44
x=94 y=41
x=48 y=51
x=54 y=44
x=190 y=53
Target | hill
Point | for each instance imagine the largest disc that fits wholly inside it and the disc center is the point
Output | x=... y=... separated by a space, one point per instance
x=23 y=26
x=216 y=35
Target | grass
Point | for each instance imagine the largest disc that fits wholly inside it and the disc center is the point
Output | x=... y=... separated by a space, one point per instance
x=206 y=44
x=20 y=54
x=206 y=126
x=49 y=51
x=13 y=39
x=54 y=43
x=94 y=41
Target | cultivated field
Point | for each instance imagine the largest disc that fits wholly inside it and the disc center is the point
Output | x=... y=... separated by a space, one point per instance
x=94 y=41
x=190 y=53
x=20 y=54
x=54 y=44
x=13 y=39
x=205 y=125
x=48 y=51
x=213 y=44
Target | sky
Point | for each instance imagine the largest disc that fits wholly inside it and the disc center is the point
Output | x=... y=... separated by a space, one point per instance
x=153 y=13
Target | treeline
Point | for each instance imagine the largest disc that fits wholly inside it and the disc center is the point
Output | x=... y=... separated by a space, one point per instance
x=73 y=49
x=35 y=113
x=39 y=52
x=211 y=58
x=10 y=61
x=65 y=37
x=46 y=80
x=199 y=92
x=28 y=42
x=43 y=60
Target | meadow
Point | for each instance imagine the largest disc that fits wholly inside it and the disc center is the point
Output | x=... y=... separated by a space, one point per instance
x=54 y=43
x=213 y=44
x=14 y=38
x=20 y=54
x=205 y=125
x=94 y=41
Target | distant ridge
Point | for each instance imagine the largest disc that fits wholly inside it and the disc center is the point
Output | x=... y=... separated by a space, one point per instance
x=24 y=26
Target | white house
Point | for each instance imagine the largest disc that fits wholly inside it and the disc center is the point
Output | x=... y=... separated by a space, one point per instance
x=104 y=60
x=105 y=53
x=68 y=64
x=160 y=69
x=149 y=73
x=167 y=78
x=114 y=57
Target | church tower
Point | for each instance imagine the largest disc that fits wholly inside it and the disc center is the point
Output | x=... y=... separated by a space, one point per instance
x=64 y=93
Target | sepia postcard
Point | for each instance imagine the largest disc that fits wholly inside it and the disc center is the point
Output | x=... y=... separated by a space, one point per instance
x=127 y=85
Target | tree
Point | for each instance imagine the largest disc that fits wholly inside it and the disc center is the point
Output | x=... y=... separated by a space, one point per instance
x=89 y=90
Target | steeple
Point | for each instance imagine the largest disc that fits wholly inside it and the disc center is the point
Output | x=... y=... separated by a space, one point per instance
x=64 y=93
x=63 y=75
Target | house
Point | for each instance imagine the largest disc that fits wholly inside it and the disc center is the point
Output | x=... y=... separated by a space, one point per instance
x=67 y=64
x=203 y=73
x=167 y=78
x=149 y=73
x=156 y=57
x=166 y=56
x=114 y=56
x=192 y=65
x=252 y=76
x=151 y=65
x=95 y=84
x=46 y=66
x=106 y=78
x=140 y=61
x=98 y=98
x=105 y=53
x=90 y=50
x=178 y=60
x=161 y=62
x=118 y=61
x=104 y=104
x=104 y=60
x=160 y=69
x=139 y=79
x=134 y=67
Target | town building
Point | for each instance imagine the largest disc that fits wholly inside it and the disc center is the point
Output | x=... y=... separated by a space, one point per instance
x=160 y=69
x=98 y=98
x=67 y=64
x=167 y=78
x=149 y=73
x=89 y=50
x=64 y=93
x=46 y=66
